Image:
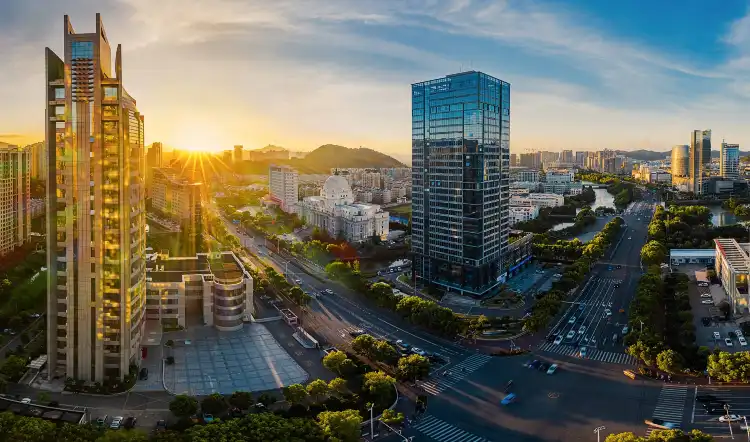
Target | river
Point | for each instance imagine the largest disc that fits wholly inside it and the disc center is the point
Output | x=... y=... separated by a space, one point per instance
x=722 y=216
x=603 y=199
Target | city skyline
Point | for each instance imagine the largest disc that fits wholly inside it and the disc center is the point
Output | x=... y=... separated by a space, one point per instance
x=576 y=85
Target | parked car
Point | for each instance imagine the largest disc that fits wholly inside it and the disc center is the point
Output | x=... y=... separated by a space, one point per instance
x=418 y=351
x=116 y=423
x=558 y=340
x=552 y=369
x=298 y=281
x=728 y=342
x=102 y=421
x=572 y=320
x=208 y=418
x=707 y=301
x=705 y=295
x=26 y=400
x=743 y=341
x=607 y=312
x=717 y=336
x=570 y=335
x=625 y=330
x=738 y=332
x=328 y=291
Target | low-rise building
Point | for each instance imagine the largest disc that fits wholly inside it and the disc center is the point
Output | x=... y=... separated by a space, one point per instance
x=538 y=200
x=336 y=212
x=563 y=187
x=522 y=213
x=733 y=267
x=692 y=256
x=207 y=289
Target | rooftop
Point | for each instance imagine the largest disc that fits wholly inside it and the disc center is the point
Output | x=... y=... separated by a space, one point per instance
x=171 y=269
x=736 y=254
x=692 y=253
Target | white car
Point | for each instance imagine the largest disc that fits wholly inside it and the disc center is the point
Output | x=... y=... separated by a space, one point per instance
x=705 y=295
x=328 y=291
x=26 y=400
x=581 y=329
x=743 y=341
x=728 y=342
x=570 y=335
x=418 y=351
x=298 y=281
x=607 y=312
x=625 y=330
x=558 y=340
x=717 y=335
x=572 y=320
x=707 y=301
x=738 y=332
x=630 y=237
x=116 y=422
x=730 y=418
x=552 y=369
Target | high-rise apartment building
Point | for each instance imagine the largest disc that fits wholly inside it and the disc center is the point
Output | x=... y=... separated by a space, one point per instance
x=460 y=181
x=531 y=160
x=38 y=162
x=15 y=197
x=179 y=199
x=580 y=159
x=238 y=153
x=730 y=161
x=566 y=156
x=700 y=158
x=283 y=187
x=96 y=219
x=513 y=159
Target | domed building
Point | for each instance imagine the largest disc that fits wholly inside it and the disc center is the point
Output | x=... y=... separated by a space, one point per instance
x=335 y=212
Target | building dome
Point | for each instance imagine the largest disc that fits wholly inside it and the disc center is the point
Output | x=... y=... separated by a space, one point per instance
x=337 y=188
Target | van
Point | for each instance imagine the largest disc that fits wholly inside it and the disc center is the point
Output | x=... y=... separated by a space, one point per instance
x=629 y=373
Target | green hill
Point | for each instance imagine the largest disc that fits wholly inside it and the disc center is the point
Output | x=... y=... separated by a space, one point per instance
x=324 y=158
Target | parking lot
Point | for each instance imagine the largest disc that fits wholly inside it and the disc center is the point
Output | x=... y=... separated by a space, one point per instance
x=710 y=328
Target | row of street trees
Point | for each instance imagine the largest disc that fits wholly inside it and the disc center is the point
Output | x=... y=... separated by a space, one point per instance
x=662 y=436
x=548 y=303
x=408 y=368
x=689 y=227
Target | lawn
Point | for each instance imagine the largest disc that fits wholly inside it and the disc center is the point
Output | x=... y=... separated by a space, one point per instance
x=404 y=209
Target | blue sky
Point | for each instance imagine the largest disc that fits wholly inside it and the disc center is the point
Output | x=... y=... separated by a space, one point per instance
x=585 y=75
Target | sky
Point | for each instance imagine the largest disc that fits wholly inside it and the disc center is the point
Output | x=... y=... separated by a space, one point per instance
x=585 y=75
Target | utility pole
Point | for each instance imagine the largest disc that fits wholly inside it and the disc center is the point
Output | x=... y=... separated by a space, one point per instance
x=597 y=430
x=746 y=427
x=729 y=421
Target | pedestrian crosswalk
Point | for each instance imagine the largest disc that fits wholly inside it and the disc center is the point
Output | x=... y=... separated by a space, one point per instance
x=670 y=406
x=442 y=431
x=439 y=383
x=610 y=357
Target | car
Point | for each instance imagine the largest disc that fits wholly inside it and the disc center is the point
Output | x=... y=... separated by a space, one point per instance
x=581 y=307
x=609 y=267
x=298 y=281
x=625 y=330
x=706 y=398
x=558 y=340
x=116 y=423
x=544 y=366
x=743 y=341
x=661 y=424
x=581 y=329
x=619 y=266
x=572 y=320
x=418 y=351
x=730 y=418
x=570 y=335
x=582 y=352
x=144 y=374
x=102 y=421
x=161 y=425
x=738 y=332
x=129 y=422
x=728 y=342
x=706 y=295
x=535 y=364
x=509 y=399
x=607 y=312
x=707 y=301
x=208 y=418
x=403 y=344
x=328 y=291
x=355 y=333
x=630 y=237
x=26 y=400
x=552 y=369
x=717 y=336
x=732 y=335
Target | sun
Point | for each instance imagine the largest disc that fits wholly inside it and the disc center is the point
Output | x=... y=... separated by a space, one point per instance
x=198 y=137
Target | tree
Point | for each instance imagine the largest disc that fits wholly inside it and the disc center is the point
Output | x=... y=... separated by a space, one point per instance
x=338 y=386
x=183 y=406
x=333 y=361
x=379 y=385
x=266 y=399
x=669 y=361
x=317 y=389
x=15 y=323
x=653 y=253
x=391 y=417
x=624 y=437
x=123 y=436
x=385 y=352
x=364 y=345
x=344 y=425
x=413 y=367
x=13 y=368
x=295 y=394
x=241 y=399
x=214 y=404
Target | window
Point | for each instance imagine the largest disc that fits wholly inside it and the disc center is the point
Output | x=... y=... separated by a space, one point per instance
x=59 y=110
x=82 y=49
x=59 y=93
x=110 y=93
x=60 y=125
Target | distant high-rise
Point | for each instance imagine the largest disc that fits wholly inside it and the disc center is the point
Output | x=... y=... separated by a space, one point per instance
x=238 y=153
x=154 y=158
x=531 y=160
x=581 y=158
x=283 y=187
x=460 y=181
x=15 y=197
x=680 y=160
x=566 y=156
x=700 y=157
x=96 y=217
x=730 y=161
x=514 y=159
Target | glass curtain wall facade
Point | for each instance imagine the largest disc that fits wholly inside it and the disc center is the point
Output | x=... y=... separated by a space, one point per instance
x=700 y=158
x=730 y=161
x=95 y=212
x=460 y=182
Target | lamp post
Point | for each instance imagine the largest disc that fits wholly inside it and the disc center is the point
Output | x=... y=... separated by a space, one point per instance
x=597 y=430
x=729 y=421
x=405 y=439
x=372 y=422
x=746 y=427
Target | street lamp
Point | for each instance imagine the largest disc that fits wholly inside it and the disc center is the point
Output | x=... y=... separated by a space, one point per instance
x=372 y=422
x=729 y=421
x=405 y=439
x=597 y=430
x=746 y=427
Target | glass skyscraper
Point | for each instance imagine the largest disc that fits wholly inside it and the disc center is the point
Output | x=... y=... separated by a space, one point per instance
x=460 y=182
x=730 y=161
x=700 y=158
x=96 y=217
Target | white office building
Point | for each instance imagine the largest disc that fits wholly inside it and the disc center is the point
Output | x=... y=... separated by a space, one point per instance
x=522 y=213
x=336 y=212
x=537 y=200
x=283 y=187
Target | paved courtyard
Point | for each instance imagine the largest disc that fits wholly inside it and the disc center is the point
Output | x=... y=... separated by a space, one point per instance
x=225 y=362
